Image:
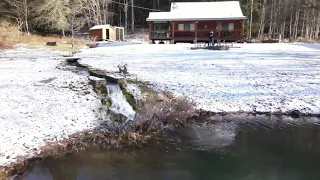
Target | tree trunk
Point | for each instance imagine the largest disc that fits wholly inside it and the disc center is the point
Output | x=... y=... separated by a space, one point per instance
x=26 y=14
x=283 y=31
x=120 y=14
x=271 y=18
x=132 y=16
x=303 y=24
x=316 y=36
x=250 y=28
x=296 y=24
x=72 y=35
x=263 y=16
x=291 y=21
x=126 y=17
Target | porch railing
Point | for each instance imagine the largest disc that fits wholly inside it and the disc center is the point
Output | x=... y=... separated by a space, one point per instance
x=160 y=34
x=191 y=34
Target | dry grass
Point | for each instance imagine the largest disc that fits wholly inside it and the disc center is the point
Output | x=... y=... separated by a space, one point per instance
x=10 y=35
x=304 y=40
x=162 y=110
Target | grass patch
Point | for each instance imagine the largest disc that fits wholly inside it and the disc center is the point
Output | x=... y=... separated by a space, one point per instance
x=143 y=86
x=59 y=47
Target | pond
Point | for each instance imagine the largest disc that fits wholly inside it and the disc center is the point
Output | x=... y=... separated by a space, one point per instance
x=226 y=150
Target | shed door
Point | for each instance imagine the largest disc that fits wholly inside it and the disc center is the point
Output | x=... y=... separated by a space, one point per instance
x=96 y=34
x=117 y=34
x=107 y=34
x=121 y=34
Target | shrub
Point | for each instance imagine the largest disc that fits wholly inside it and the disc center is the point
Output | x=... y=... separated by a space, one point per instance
x=163 y=110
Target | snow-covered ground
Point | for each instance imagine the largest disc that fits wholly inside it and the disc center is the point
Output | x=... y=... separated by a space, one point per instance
x=39 y=102
x=261 y=77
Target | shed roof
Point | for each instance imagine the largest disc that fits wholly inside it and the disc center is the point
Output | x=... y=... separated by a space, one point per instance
x=200 y=11
x=104 y=26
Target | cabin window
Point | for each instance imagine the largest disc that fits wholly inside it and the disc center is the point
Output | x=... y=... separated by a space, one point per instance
x=180 y=27
x=231 y=27
x=186 y=27
x=225 y=27
x=228 y=27
x=192 y=27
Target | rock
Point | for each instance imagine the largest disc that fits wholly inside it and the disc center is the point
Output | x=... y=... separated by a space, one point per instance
x=162 y=97
x=51 y=43
x=295 y=114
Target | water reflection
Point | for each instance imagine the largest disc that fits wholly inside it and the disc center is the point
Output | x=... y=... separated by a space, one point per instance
x=287 y=153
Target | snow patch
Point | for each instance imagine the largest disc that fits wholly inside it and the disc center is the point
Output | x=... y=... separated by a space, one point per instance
x=39 y=102
x=254 y=77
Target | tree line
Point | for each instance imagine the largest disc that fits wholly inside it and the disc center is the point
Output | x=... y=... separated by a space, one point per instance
x=290 y=18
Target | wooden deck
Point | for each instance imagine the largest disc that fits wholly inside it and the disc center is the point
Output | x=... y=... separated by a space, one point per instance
x=199 y=39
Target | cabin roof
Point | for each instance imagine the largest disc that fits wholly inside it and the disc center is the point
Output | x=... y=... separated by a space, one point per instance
x=192 y=11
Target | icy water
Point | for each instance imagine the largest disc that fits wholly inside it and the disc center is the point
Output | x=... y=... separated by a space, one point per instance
x=222 y=151
x=119 y=103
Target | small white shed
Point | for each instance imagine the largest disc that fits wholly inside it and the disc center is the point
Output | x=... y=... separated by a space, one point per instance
x=107 y=33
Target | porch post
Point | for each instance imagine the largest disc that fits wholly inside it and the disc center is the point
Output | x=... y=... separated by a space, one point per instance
x=195 y=32
x=172 y=29
x=242 y=28
x=219 y=31
x=150 y=30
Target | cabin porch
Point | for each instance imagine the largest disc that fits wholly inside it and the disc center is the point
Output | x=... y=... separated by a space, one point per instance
x=195 y=31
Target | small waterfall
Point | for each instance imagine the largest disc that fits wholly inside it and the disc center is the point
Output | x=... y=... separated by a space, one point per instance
x=119 y=103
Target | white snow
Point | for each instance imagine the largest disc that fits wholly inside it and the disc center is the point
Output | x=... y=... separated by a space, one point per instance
x=261 y=77
x=39 y=102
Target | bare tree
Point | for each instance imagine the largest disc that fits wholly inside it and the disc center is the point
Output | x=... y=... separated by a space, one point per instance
x=98 y=11
x=54 y=13
x=76 y=21
x=125 y=9
x=21 y=12
x=262 y=20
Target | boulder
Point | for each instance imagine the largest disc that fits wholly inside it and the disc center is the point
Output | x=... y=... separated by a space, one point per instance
x=51 y=43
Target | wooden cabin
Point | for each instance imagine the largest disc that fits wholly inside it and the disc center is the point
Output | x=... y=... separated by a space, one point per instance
x=107 y=33
x=193 y=21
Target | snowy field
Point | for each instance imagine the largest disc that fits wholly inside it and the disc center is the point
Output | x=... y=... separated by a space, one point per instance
x=254 y=77
x=39 y=102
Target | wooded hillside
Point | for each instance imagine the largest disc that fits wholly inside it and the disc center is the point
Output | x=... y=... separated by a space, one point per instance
x=291 y=18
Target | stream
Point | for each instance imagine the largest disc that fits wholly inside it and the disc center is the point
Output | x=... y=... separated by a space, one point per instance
x=119 y=104
x=225 y=150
